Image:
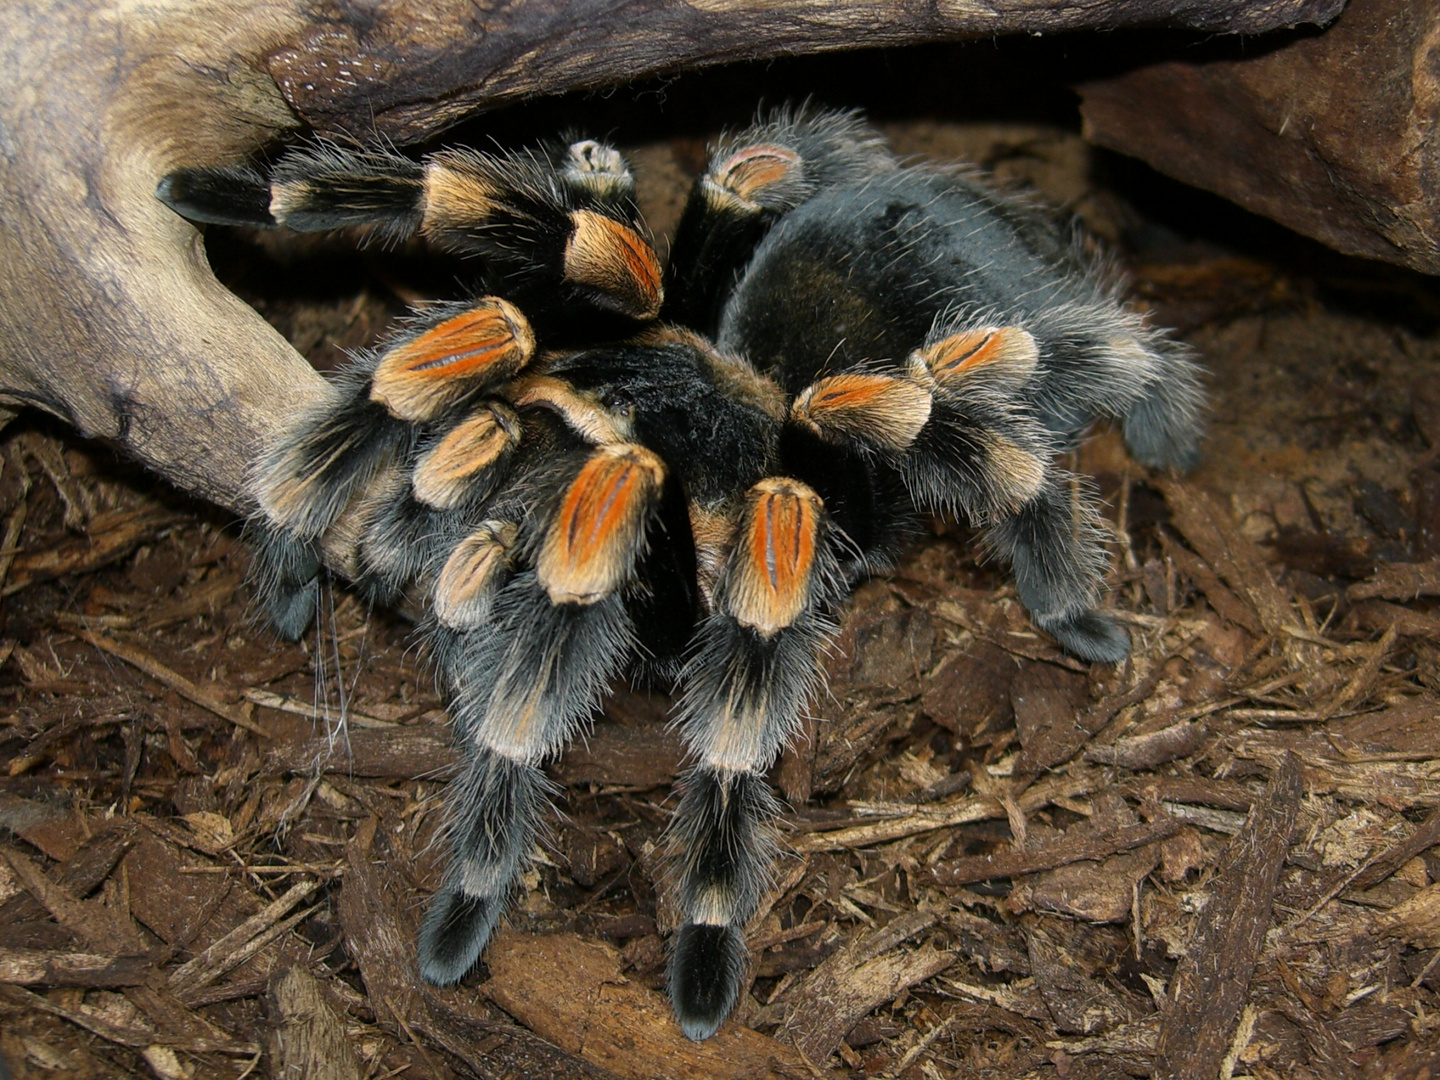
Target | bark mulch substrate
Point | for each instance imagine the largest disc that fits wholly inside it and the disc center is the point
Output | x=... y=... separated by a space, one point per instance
x=1218 y=860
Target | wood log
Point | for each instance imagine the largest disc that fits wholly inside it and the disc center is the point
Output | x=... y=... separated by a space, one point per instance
x=1336 y=135
x=109 y=315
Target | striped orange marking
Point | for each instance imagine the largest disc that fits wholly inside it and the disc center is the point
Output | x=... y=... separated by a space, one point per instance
x=881 y=410
x=771 y=569
x=591 y=544
x=748 y=172
x=958 y=355
x=486 y=344
x=612 y=257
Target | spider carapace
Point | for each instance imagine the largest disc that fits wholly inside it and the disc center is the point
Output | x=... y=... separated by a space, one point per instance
x=603 y=466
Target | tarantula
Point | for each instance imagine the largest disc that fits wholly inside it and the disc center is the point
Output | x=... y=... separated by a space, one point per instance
x=604 y=467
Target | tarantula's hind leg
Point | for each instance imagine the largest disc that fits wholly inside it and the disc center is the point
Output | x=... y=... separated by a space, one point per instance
x=525 y=659
x=756 y=665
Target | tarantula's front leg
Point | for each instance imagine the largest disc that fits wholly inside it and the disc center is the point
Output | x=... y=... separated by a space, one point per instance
x=557 y=229
x=379 y=408
x=756 y=665
x=525 y=662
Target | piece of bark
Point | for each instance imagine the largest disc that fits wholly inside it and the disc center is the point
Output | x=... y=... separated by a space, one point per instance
x=1381 y=615
x=1213 y=978
x=80 y=875
x=1425 y=836
x=1414 y=1059
x=308 y=1039
x=640 y=756
x=1080 y=1003
x=1047 y=702
x=1095 y=845
x=1234 y=557
x=1156 y=748
x=1398 y=581
x=853 y=982
x=100 y=927
x=970 y=694
x=1336 y=135
x=42 y=967
x=50 y=824
x=109 y=538
x=456 y=58
x=1097 y=891
x=1417 y=920
x=569 y=990
x=235 y=947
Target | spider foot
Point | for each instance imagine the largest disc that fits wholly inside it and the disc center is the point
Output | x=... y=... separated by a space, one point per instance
x=707 y=969
x=1089 y=635
x=456 y=929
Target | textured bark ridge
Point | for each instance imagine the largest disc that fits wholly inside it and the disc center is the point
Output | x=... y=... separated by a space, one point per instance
x=1332 y=134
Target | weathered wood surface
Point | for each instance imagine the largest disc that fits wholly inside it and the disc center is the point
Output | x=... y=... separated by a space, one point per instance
x=109 y=315
x=1334 y=135
x=343 y=72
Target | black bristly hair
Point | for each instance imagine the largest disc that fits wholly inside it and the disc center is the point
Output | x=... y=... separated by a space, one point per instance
x=578 y=490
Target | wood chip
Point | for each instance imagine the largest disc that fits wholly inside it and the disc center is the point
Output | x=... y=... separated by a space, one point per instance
x=569 y=990
x=1010 y=864
x=1212 y=980
x=309 y=1037
x=1156 y=748
x=853 y=982
x=1398 y=581
x=190 y=691
x=48 y=968
x=297 y=707
x=239 y=944
x=123 y=1035
x=1417 y=920
x=1233 y=556
x=112 y=536
x=100 y=927
x=1425 y=836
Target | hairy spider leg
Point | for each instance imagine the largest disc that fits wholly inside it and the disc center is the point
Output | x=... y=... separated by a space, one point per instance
x=530 y=663
x=335 y=457
x=752 y=179
x=755 y=667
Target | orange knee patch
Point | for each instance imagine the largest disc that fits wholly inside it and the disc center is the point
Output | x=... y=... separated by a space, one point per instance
x=443 y=473
x=748 y=172
x=591 y=545
x=487 y=344
x=879 y=410
x=615 y=259
x=773 y=562
x=962 y=354
x=471 y=576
